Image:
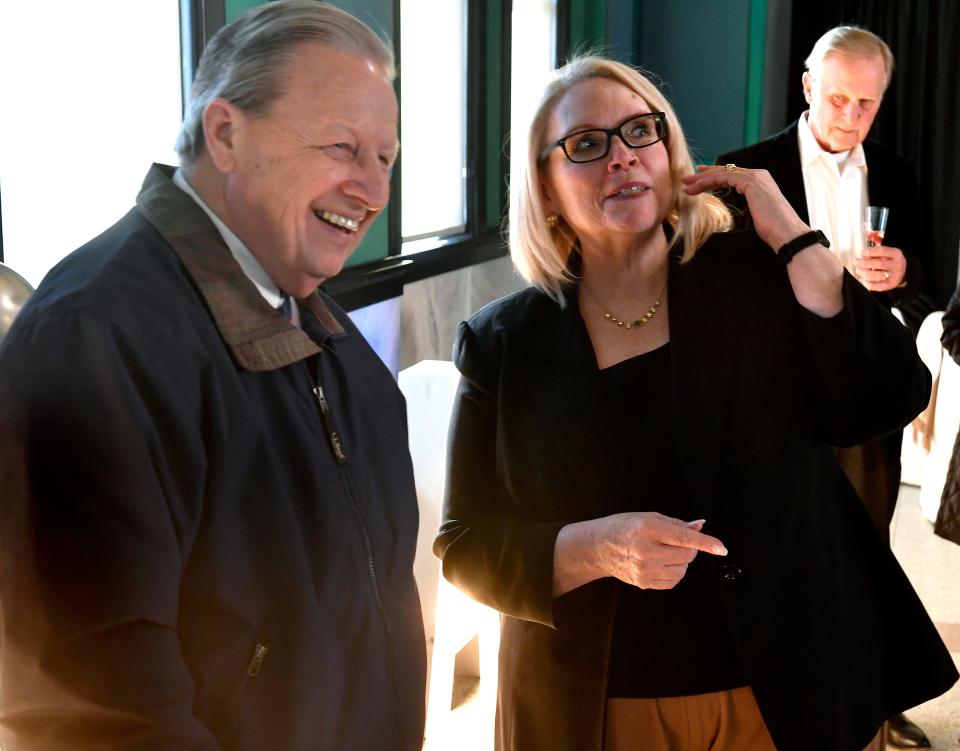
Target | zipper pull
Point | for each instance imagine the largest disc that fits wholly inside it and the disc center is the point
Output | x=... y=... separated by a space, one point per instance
x=257 y=662
x=336 y=445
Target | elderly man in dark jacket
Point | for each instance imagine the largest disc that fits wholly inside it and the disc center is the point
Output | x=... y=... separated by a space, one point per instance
x=208 y=513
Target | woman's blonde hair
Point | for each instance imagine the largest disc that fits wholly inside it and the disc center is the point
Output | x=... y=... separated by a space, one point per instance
x=542 y=253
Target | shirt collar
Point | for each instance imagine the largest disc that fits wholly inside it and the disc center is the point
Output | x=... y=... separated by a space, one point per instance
x=248 y=262
x=811 y=151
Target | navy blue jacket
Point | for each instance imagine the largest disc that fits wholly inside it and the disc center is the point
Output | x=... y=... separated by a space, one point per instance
x=191 y=557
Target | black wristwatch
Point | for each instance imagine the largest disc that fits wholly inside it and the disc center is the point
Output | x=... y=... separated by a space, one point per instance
x=788 y=251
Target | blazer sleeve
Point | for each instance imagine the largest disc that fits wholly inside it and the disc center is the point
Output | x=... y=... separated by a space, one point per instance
x=488 y=547
x=848 y=378
x=96 y=463
x=863 y=375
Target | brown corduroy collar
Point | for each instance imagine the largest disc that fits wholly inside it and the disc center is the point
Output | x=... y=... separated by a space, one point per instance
x=257 y=335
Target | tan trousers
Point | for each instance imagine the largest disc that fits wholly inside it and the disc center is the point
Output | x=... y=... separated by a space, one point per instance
x=719 y=721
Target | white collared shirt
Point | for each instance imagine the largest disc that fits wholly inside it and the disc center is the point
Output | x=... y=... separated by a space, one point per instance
x=248 y=262
x=836 y=192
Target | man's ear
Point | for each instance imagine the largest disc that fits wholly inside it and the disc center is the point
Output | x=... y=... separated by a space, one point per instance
x=220 y=121
x=807 y=86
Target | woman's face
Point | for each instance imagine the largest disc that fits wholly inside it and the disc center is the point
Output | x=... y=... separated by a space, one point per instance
x=626 y=194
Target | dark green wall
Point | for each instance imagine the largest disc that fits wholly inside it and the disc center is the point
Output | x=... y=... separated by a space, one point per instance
x=234 y=8
x=700 y=50
x=588 y=25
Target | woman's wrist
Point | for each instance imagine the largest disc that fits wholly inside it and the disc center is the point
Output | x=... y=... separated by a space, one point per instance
x=787 y=234
x=576 y=556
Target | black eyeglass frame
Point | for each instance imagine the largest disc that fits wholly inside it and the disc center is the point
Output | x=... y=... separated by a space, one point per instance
x=659 y=118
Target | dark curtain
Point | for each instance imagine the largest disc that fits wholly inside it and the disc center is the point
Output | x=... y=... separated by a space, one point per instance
x=920 y=115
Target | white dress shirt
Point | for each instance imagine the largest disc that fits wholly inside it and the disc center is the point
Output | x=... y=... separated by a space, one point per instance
x=836 y=192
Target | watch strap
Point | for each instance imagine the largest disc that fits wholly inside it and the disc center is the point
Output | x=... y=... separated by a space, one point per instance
x=790 y=249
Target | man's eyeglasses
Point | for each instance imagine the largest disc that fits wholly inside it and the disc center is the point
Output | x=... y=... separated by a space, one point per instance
x=636 y=132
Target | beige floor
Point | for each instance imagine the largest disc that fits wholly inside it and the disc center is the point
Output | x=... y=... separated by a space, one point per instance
x=933 y=565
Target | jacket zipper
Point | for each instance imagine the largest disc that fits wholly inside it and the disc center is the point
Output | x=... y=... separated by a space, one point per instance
x=340 y=457
x=333 y=435
x=257 y=662
x=229 y=711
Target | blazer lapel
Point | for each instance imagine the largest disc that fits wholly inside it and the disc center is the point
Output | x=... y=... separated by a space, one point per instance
x=565 y=384
x=788 y=172
x=704 y=326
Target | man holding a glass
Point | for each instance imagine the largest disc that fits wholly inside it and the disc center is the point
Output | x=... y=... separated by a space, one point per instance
x=865 y=199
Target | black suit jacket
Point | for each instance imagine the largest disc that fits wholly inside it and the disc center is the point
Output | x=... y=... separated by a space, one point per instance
x=760 y=390
x=891 y=181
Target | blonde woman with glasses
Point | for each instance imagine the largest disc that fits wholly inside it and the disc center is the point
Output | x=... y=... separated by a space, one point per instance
x=641 y=474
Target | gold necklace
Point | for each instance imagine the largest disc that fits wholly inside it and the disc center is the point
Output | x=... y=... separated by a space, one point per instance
x=636 y=324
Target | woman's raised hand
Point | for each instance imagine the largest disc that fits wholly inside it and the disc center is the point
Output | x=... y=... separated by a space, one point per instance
x=815 y=274
x=775 y=220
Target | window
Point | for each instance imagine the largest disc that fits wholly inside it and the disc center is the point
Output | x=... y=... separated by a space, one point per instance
x=85 y=115
x=433 y=117
x=534 y=55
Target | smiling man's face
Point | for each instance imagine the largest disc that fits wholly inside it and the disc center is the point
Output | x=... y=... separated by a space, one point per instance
x=305 y=179
x=844 y=97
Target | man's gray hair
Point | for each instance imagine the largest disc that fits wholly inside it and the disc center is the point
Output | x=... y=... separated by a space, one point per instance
x=245 y=61
x=853 y=41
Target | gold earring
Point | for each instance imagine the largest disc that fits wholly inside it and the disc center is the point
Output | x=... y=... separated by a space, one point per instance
x=552 y=221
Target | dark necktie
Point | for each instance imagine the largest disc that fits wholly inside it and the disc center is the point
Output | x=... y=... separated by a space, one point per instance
x=286 y=308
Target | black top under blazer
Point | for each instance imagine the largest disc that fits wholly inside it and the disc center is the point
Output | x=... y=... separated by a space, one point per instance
x=761 y=390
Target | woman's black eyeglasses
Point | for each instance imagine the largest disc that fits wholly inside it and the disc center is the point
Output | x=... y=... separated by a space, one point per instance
x=637 y=132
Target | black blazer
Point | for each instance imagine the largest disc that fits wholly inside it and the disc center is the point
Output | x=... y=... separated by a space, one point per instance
x=891 y=181
x=760 y=390
x=873 y=468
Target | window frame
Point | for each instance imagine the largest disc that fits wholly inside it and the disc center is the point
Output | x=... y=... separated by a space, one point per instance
x=199 y=20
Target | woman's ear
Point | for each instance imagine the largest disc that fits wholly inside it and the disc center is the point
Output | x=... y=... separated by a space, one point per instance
x=545 y=193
